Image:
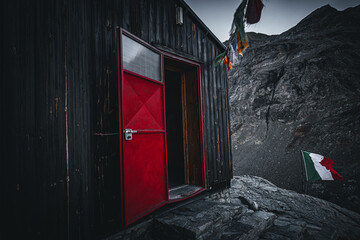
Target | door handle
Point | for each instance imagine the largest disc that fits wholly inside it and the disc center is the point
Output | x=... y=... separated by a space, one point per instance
x=128 y=134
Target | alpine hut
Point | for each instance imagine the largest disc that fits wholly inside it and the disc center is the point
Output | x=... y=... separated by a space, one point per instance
x=110 y=109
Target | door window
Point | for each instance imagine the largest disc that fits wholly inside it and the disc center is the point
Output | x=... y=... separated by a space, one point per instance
x=141 y=60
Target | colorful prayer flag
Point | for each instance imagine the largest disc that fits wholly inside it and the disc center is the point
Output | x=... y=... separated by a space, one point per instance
x=253 y=14
x=253 y=11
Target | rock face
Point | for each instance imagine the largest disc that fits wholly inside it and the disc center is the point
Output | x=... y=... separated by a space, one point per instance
x=253 y=208
x=298 y=216
x=300 y=90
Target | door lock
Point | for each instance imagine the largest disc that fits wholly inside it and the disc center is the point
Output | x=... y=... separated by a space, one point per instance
x=128 y=134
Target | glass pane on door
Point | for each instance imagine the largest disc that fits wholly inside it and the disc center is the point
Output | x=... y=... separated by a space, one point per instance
x=141 y=60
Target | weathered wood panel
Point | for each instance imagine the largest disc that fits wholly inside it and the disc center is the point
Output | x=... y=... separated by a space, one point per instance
x=192 y=127
x=206 y=111
x=61 y=170
x=107 y=207
x=34 y=71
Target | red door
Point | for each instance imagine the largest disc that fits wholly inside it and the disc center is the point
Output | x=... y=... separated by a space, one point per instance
x=144 y=179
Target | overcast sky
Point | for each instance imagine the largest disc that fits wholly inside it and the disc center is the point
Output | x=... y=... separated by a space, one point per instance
x=277 y=15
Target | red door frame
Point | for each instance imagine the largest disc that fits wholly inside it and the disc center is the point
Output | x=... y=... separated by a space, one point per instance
x=173 y=57
x=119 y=33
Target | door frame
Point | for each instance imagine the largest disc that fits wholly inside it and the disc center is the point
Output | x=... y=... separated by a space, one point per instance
x=196 y=65
x=164 y=54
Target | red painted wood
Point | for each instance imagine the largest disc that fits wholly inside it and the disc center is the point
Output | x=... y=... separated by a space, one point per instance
x=143 y=77
x=144 y=104
x=144 y=175
x=144 y=172
x=143 y=159
x=120 y=76
x=144 y=180
x=166 y=154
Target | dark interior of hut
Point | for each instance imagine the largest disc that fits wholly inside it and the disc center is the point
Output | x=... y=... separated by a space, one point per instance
x=182 y=126
x=174 y=121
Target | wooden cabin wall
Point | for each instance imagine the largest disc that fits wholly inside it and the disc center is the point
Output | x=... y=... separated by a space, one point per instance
x=59 y=109
x=47 y=67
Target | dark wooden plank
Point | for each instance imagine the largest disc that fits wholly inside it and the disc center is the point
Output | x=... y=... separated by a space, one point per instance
x=217 y=121
x=4 y=121
x=193 y=126
x=165 y=24
x=220 y=140
x=215 y=114
x=71 y=63
x=54 y=140
x=17 y=134
x=212 y=119
x=58 y=181
x=184 y=34
x=46 y=70
x=178 y=37
x=152 y=21
x=30 y=187
x=225 y=143
x=83 y=124
x=184 y=107
x=188 y=34
x=194 y=39
x=199 y=43
x=172 y=23
x=126 y=14
x=225 y=80
x=159 y=27
x=144 y=19
x=206 y=112
x=132 y=7
x=118 y=12
x=98 y=90
x=107 y=204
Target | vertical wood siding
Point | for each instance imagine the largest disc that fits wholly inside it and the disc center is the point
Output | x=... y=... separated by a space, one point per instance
x=59 y=109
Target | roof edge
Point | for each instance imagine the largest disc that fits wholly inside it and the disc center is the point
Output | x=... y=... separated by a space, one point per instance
x=202 y=23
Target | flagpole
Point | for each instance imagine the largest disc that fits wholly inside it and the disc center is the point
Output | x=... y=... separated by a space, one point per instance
x=304 y=176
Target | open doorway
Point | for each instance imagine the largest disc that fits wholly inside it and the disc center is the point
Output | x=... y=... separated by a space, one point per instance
x=185 y=168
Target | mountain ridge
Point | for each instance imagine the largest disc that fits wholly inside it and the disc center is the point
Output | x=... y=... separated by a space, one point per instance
x=300 y=91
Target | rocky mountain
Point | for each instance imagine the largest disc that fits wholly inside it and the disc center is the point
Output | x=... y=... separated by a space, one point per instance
x=300 y=90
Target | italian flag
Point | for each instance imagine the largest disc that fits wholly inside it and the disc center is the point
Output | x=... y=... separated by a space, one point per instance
x=318 y=167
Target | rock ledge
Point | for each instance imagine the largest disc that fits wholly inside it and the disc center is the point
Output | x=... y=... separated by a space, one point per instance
x=253 y=208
